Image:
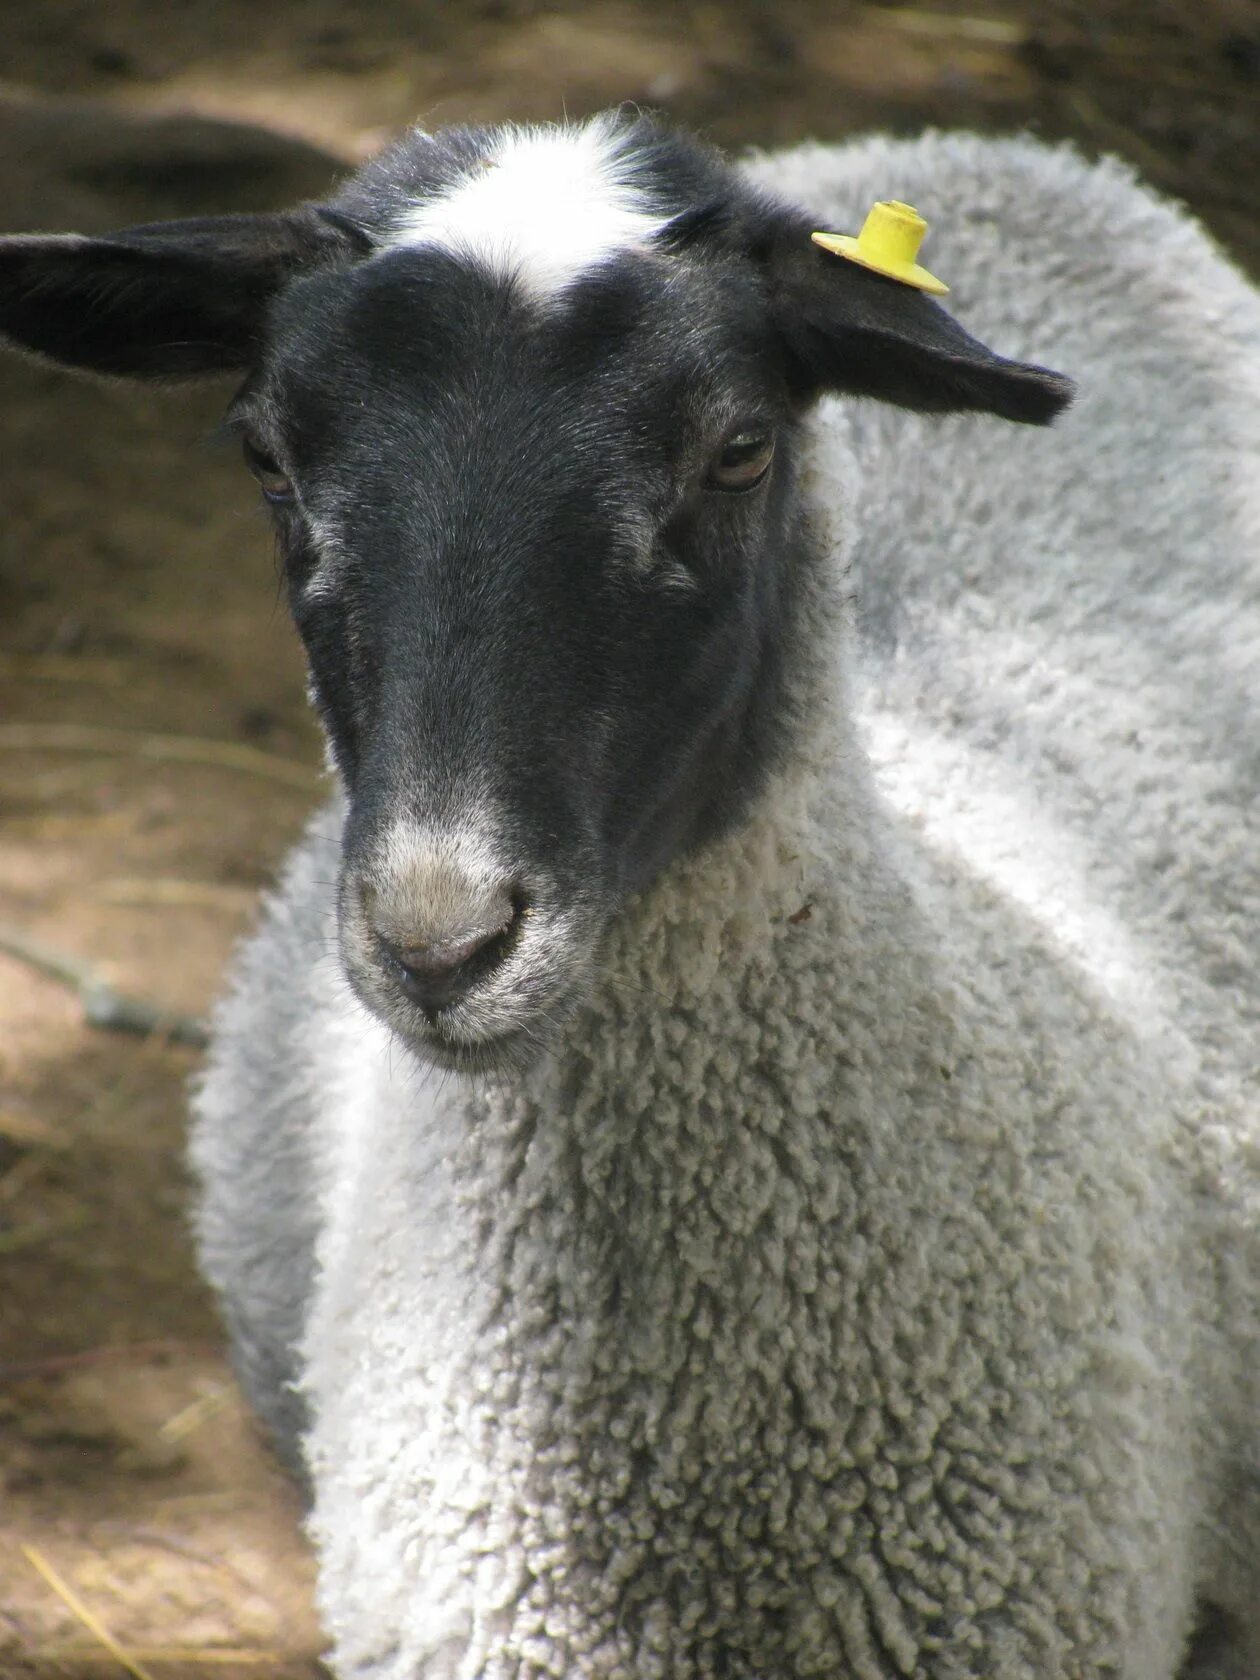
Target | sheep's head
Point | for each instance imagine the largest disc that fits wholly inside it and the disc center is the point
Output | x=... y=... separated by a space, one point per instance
x=524 y=405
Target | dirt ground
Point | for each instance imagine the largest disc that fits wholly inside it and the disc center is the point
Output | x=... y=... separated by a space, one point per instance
x=138 y=603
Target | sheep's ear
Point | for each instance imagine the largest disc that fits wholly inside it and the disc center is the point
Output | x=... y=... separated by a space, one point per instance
x=169 y=300
x=847 y=329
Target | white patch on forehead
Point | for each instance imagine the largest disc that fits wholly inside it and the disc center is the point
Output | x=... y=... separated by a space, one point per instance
x=547 y=206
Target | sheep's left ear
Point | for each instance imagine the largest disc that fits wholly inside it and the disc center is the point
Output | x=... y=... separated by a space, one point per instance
x=847 y=329
x=166 y=300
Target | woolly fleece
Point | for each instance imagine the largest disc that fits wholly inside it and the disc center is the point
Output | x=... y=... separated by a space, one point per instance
x=868 y=1286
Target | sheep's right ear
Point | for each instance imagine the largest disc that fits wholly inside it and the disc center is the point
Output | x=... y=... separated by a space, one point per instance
x=169 y=300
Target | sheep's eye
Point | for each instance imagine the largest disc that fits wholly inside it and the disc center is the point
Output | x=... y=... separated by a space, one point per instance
x=274 y=483
x=743 y=461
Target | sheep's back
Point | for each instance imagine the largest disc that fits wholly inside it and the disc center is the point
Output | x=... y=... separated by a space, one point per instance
x=1060 y=632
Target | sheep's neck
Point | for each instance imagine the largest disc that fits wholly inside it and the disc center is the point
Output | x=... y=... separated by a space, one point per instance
x=705 y=1071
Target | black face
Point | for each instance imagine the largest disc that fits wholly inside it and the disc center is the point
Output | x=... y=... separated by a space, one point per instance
x=547 y=557
x=542 y=561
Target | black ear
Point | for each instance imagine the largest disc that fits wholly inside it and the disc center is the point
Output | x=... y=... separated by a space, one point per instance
x=845 y=328
x=168 y=300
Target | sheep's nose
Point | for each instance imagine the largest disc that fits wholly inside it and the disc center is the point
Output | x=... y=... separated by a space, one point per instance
x=438 y=961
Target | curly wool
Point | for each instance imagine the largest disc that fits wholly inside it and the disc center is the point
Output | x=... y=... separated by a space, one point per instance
x=867 y=1287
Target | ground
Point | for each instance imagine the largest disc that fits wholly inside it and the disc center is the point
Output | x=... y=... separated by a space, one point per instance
x=138 y=603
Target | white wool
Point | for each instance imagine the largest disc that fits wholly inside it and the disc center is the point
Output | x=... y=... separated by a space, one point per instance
x=545 y=207
x=869 y=1294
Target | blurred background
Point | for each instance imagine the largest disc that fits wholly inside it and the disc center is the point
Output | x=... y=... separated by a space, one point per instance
x=156 y=756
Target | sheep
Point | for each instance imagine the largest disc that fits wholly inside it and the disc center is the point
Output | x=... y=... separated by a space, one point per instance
x=733 y=1149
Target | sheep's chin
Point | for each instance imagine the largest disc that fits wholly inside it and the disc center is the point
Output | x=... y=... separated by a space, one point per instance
x=474 y=1036
x=513 y=1051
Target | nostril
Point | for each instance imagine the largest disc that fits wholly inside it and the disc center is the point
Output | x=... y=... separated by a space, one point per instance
x=445 y=955
x=437 y=971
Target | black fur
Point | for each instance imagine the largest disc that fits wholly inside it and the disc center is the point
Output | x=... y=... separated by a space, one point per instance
x=531 y=598
x=170 y=300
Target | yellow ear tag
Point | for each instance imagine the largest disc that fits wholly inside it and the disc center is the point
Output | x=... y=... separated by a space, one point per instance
x=888 y=243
